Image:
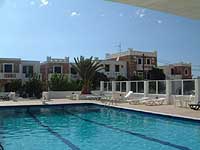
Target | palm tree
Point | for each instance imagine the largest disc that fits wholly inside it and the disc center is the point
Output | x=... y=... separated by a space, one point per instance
x=86 y=68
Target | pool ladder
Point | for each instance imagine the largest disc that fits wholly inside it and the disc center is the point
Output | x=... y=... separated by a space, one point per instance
x=1 y=147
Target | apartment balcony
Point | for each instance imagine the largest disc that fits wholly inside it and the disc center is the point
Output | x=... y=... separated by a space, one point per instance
x=26 y=77
x=114 y=74
x=51 y=74
x=12 y=75
x=74 y=76
x=174 y=77
x=146 y=67
x=15 y=76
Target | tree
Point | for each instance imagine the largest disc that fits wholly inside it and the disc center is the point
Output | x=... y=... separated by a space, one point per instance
x=34 y=86
x=135 y=78
x=58 y=82
x=86 y=68
x=121 y=78
x=16 y=85
x=75 y=85
x=156 y=74
x=97 y=79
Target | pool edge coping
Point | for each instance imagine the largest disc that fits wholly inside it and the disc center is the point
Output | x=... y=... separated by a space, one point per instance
x=112 y=106
x=153 y=112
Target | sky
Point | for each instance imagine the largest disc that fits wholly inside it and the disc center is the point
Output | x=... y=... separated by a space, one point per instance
x=34 y=29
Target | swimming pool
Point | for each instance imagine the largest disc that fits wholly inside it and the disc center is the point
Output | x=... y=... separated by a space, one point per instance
x=93 y=127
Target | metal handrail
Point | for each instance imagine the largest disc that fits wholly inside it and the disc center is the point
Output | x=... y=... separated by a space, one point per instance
x=1 y=147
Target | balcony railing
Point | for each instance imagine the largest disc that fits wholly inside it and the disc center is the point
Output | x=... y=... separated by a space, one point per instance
x=115 y=74
x=50 y=75
x=74 y=76
x=174 y=77
x=11 y=76
x=21 y=76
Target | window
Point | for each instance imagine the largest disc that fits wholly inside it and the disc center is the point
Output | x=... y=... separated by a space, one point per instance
x=107 y=68
x=28 y=71
x=57 y=69
x=8 y=68
x=50 y=70
x=148 y=61
x=139 y=61
x=116 y=68
x=172 y=71
x=186 y=71
x=73 y=71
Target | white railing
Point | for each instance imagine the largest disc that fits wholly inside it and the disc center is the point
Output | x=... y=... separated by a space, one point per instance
x=11 y=75
x=74 y=76
x=51 y=74
x=174 y=77
x=115 y=74
x=168 y=88
x=21 y=76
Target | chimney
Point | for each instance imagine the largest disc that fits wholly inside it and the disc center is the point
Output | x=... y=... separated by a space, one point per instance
x=48 y=58
x=67 y=59
x=96 y=58
x=108 y=55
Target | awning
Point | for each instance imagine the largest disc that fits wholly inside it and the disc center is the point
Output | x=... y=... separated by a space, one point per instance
x=185 y=8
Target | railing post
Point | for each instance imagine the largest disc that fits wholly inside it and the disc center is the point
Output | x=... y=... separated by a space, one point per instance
x=197 y=90
x=182 y=88
x=156 y=87
x=146 y=88
x=128 y=86
x=169 y=91
x=102 y=86
x=136 y=86
x=120 y=86
x=113 y=86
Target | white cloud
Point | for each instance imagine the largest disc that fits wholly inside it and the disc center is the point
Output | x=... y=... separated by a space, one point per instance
x=75 y=13
x=102 y=15
x=121 y=14
x=44 y=2
x=159 y=21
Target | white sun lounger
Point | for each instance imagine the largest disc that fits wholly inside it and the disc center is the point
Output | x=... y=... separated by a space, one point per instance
x=129 y=94
x=137 y=100
x=155 y=102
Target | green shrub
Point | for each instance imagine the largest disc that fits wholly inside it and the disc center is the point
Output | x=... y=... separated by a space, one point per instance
x=34 y=87
x=59 y=82
x=16 y=85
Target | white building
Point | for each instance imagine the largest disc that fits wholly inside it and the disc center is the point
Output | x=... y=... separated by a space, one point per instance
x=138 y=62
x=16 y=69
x=29 y=68
x=54 y=65
x=112 y=68
x=177 y=71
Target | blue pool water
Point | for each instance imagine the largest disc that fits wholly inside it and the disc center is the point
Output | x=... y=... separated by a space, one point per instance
x=93 y=127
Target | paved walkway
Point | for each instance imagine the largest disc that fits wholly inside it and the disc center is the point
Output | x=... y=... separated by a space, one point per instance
x=163 y=109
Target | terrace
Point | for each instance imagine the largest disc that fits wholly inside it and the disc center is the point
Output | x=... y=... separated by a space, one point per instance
x=171 y=89
x=175 y=92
